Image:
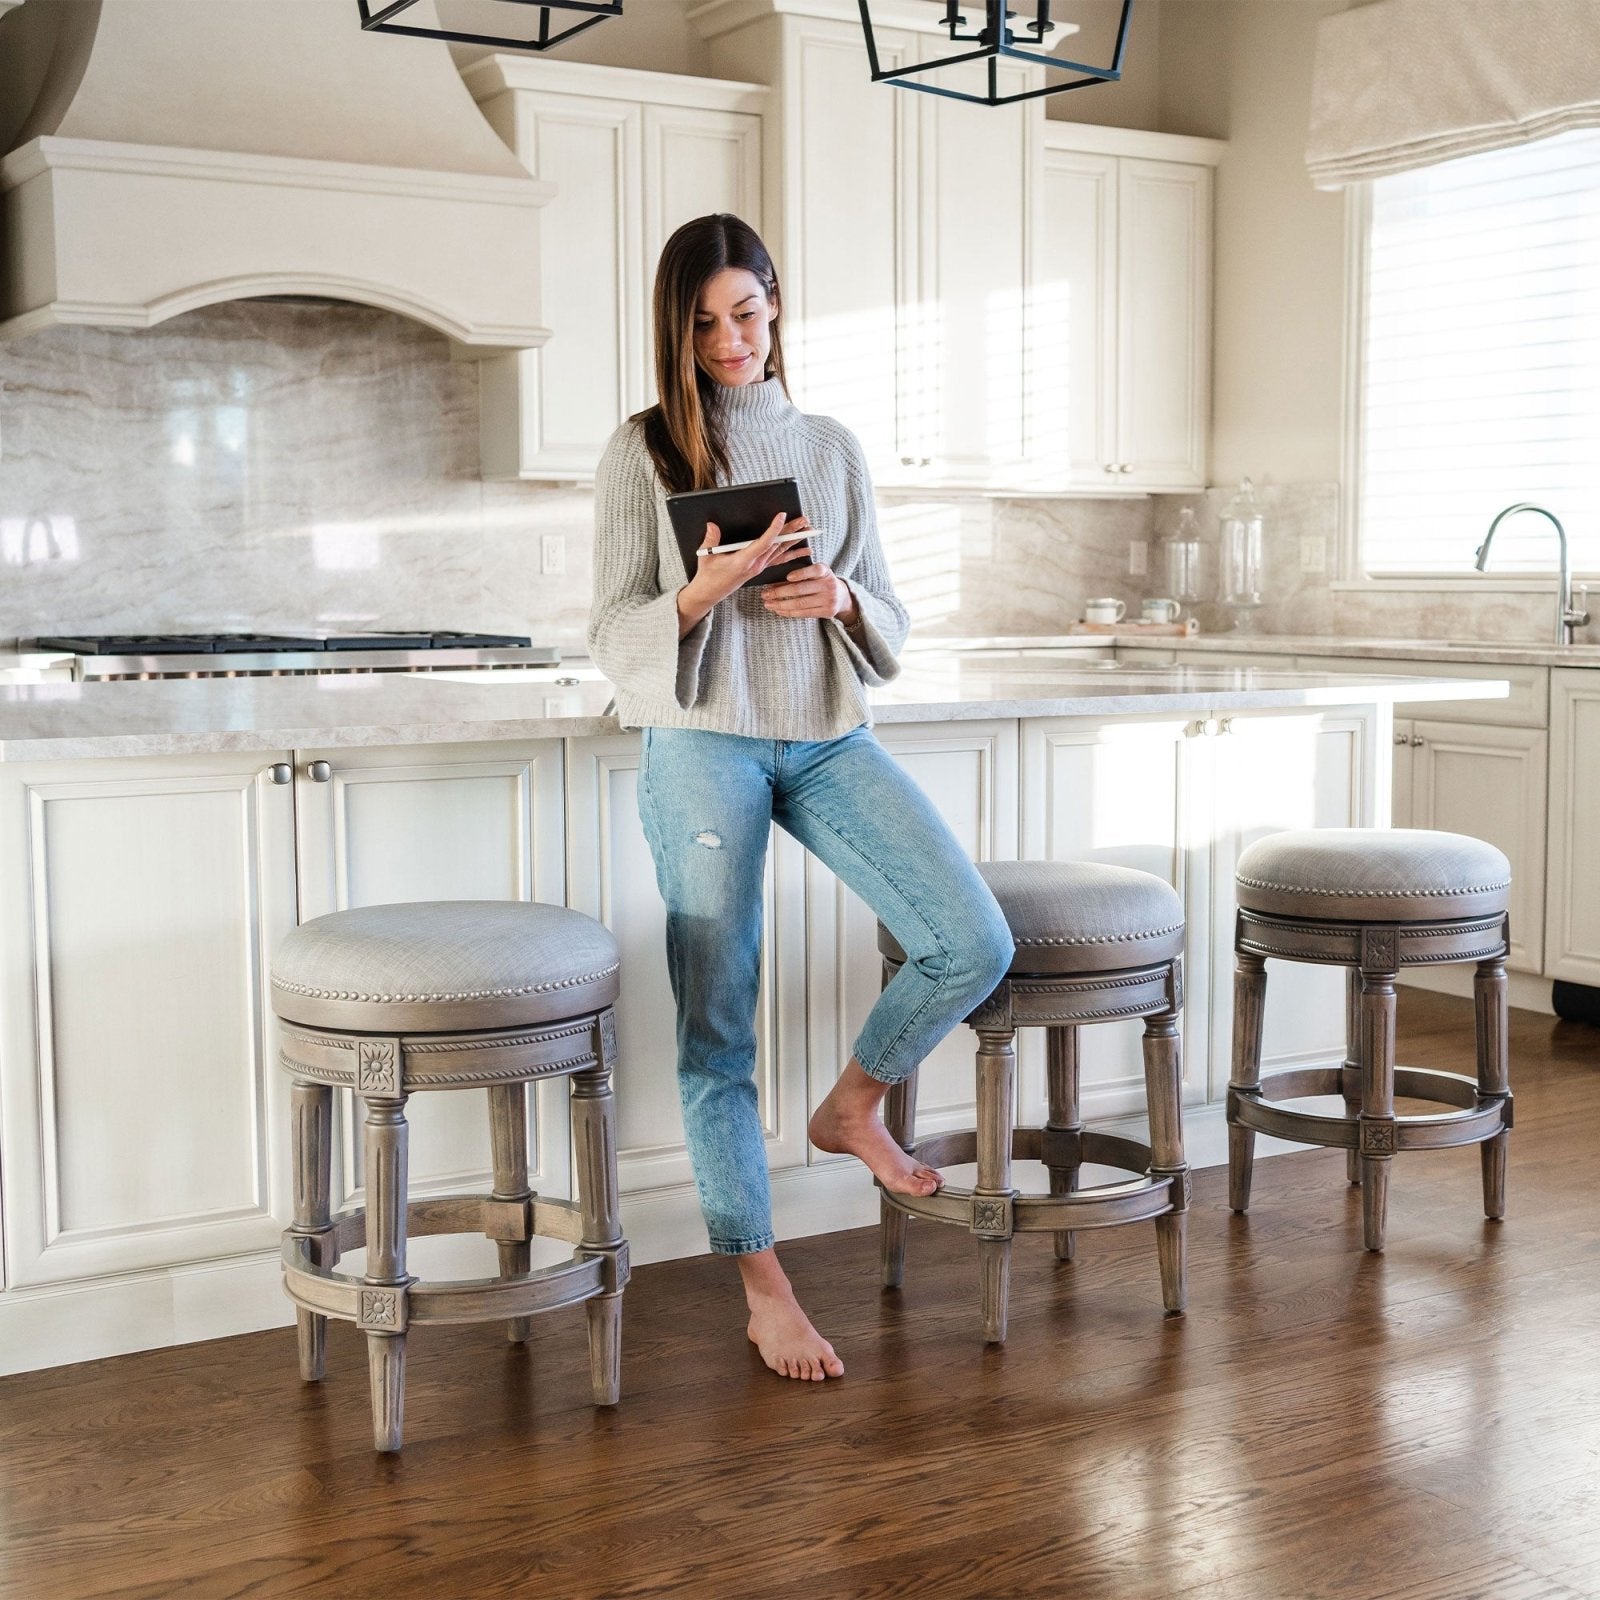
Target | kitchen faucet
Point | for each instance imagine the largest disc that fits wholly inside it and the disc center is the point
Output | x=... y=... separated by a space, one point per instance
x=1566 y=618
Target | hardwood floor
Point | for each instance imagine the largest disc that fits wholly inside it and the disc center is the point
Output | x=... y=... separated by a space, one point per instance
x=1423 y=1425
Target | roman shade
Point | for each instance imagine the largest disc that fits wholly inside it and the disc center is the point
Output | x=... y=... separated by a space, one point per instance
x=1402 y=84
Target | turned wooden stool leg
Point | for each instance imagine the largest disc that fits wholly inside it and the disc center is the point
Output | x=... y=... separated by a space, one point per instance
x=508 y=1139
x=1379 y=964
x=311 y=1142
x=382 y=1306
x=1494 y=1075
x=900 y=1118
x=594 y=1131
x=991 y=1195
x=1061 y=1065
x=1351 y=1075
x=1249 y=1002
x=1163 y=1079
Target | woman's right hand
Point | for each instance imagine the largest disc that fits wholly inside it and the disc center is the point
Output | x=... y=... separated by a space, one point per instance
x=718 y=576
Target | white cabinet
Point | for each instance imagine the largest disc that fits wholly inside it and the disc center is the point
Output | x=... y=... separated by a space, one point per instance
x=1119 y=310
x=438 y=822
x=1572 y=936
x=1489 y=782
x=144 y=1116
x=632 y=155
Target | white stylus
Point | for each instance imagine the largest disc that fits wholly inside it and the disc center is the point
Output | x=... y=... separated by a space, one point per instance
x=744 y=544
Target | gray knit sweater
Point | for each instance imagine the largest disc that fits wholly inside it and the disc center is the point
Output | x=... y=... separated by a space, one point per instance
x=741 y=669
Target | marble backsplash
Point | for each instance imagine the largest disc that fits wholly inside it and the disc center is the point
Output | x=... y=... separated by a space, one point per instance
x=271 y=465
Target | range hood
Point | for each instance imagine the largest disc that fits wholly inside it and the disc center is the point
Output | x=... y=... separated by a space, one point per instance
x=168 y=154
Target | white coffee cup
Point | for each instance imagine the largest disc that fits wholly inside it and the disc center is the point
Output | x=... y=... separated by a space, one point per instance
x=1159 y=611
x=1104 y=610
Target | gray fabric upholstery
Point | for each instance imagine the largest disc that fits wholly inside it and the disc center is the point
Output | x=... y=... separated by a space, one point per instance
x=443 y=966
x=1079 y=916
x=1373 y=875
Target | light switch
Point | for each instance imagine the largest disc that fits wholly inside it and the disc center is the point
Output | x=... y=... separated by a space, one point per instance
x=1313 y=553
x=553 y=553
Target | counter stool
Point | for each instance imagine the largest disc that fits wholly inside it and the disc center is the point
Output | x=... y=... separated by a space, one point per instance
x=1372 y=900
x=393 y=999
x=1093 y=943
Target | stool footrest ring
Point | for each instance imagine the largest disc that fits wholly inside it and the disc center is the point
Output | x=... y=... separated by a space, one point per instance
x=1151 y=1194
x=1479 y=1116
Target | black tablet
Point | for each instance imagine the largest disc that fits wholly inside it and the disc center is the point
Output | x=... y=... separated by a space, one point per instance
x=741 y=511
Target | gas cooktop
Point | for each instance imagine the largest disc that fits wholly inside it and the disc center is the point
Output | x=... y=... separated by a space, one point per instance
x=203 y=644
x=258 y=655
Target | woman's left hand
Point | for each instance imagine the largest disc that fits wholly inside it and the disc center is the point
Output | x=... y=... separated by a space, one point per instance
x=811 y=591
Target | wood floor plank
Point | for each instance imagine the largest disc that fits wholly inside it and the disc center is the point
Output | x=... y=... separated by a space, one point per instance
x=1423 y=1425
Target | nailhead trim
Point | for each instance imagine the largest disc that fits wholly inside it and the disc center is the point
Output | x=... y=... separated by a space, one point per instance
x=310 y=993
x=1374 y=894
x=1101 y=938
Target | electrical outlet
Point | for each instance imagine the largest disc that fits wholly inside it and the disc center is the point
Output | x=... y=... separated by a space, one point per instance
x=1138 y=558
x=553 y=553
x=1313 y=553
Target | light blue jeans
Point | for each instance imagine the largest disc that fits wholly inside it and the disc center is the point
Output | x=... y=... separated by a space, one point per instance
x=707 y=801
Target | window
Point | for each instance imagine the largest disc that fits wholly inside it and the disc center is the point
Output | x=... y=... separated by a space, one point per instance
x=1480 y=365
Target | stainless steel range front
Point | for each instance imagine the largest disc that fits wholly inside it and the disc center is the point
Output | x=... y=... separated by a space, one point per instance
x=255 y=655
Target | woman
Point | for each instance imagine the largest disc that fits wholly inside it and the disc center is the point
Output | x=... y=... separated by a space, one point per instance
x=753 y=709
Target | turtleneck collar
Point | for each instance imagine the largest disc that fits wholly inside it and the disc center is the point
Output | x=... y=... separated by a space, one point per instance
x=752 y=404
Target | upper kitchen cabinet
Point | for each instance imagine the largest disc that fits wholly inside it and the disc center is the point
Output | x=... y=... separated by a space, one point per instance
x=900 y=225
x=632 y=155
x=1120 y=310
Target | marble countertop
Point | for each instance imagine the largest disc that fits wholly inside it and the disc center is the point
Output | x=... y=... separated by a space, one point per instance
x=190 y=716
x=1306 y=644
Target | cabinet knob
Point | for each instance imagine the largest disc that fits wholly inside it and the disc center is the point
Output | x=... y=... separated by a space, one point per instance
x=1402 y=739
x=1111 y=466
x=281 y=772
x=1417 y=741
x=320 y=771
x=1127 y=466
x=907 y=461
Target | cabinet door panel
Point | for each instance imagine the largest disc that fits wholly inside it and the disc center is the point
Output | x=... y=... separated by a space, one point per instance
x=613 y=879
x=1119 y=793
x=969 y=771
x=1273 y=773
x=1489 y=782
x=144 y=1114
x=1572 y=947
x=579 y=386
x=452 y=822
x=849 y=318
x=1404 y=786
x=1164 y=299
x=1072 y=355
x=973 y=268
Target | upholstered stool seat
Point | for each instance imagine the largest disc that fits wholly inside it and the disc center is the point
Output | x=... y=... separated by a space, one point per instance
x=1374 y=901
x=390 y=1000
x=1094 y=943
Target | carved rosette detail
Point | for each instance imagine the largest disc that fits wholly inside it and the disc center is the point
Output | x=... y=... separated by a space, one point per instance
x=377 y=1067
x=992 y=1217
x=381 y=1310
x=1377 y=1138
x=608 y=1038
x=1380 y=950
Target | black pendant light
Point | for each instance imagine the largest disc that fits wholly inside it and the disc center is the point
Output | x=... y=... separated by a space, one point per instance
x=375 y=17
x=997 y=36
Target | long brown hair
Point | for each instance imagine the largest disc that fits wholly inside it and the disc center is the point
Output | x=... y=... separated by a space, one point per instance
x=682 y=431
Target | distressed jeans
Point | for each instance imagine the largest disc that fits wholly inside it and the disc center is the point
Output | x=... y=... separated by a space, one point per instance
x=707 y=801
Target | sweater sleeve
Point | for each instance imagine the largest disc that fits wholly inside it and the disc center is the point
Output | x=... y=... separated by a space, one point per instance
x=633 y=619
x=874 y=644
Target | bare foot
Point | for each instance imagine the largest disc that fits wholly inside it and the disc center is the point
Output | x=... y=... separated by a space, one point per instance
x=788 y=1343
x=841 y=1131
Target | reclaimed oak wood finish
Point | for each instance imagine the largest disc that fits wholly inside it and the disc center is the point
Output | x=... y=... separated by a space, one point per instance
x=993 y=1211
x=1369 y=1130
x=386 y=1301
x=1294 y=1435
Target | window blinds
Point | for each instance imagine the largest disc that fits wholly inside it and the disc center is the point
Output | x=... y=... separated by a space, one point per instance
x=1480 y=373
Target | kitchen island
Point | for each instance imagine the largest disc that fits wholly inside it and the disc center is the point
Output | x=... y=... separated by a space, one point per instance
x=158 y=839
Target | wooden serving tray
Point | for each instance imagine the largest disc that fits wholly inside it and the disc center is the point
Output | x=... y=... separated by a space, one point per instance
x=1171 y=630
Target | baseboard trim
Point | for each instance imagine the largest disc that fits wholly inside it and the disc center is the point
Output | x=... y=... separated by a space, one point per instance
x=1525 y=990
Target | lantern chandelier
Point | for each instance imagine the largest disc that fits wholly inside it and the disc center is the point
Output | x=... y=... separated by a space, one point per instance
x=995 y=39
x=375 y=17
